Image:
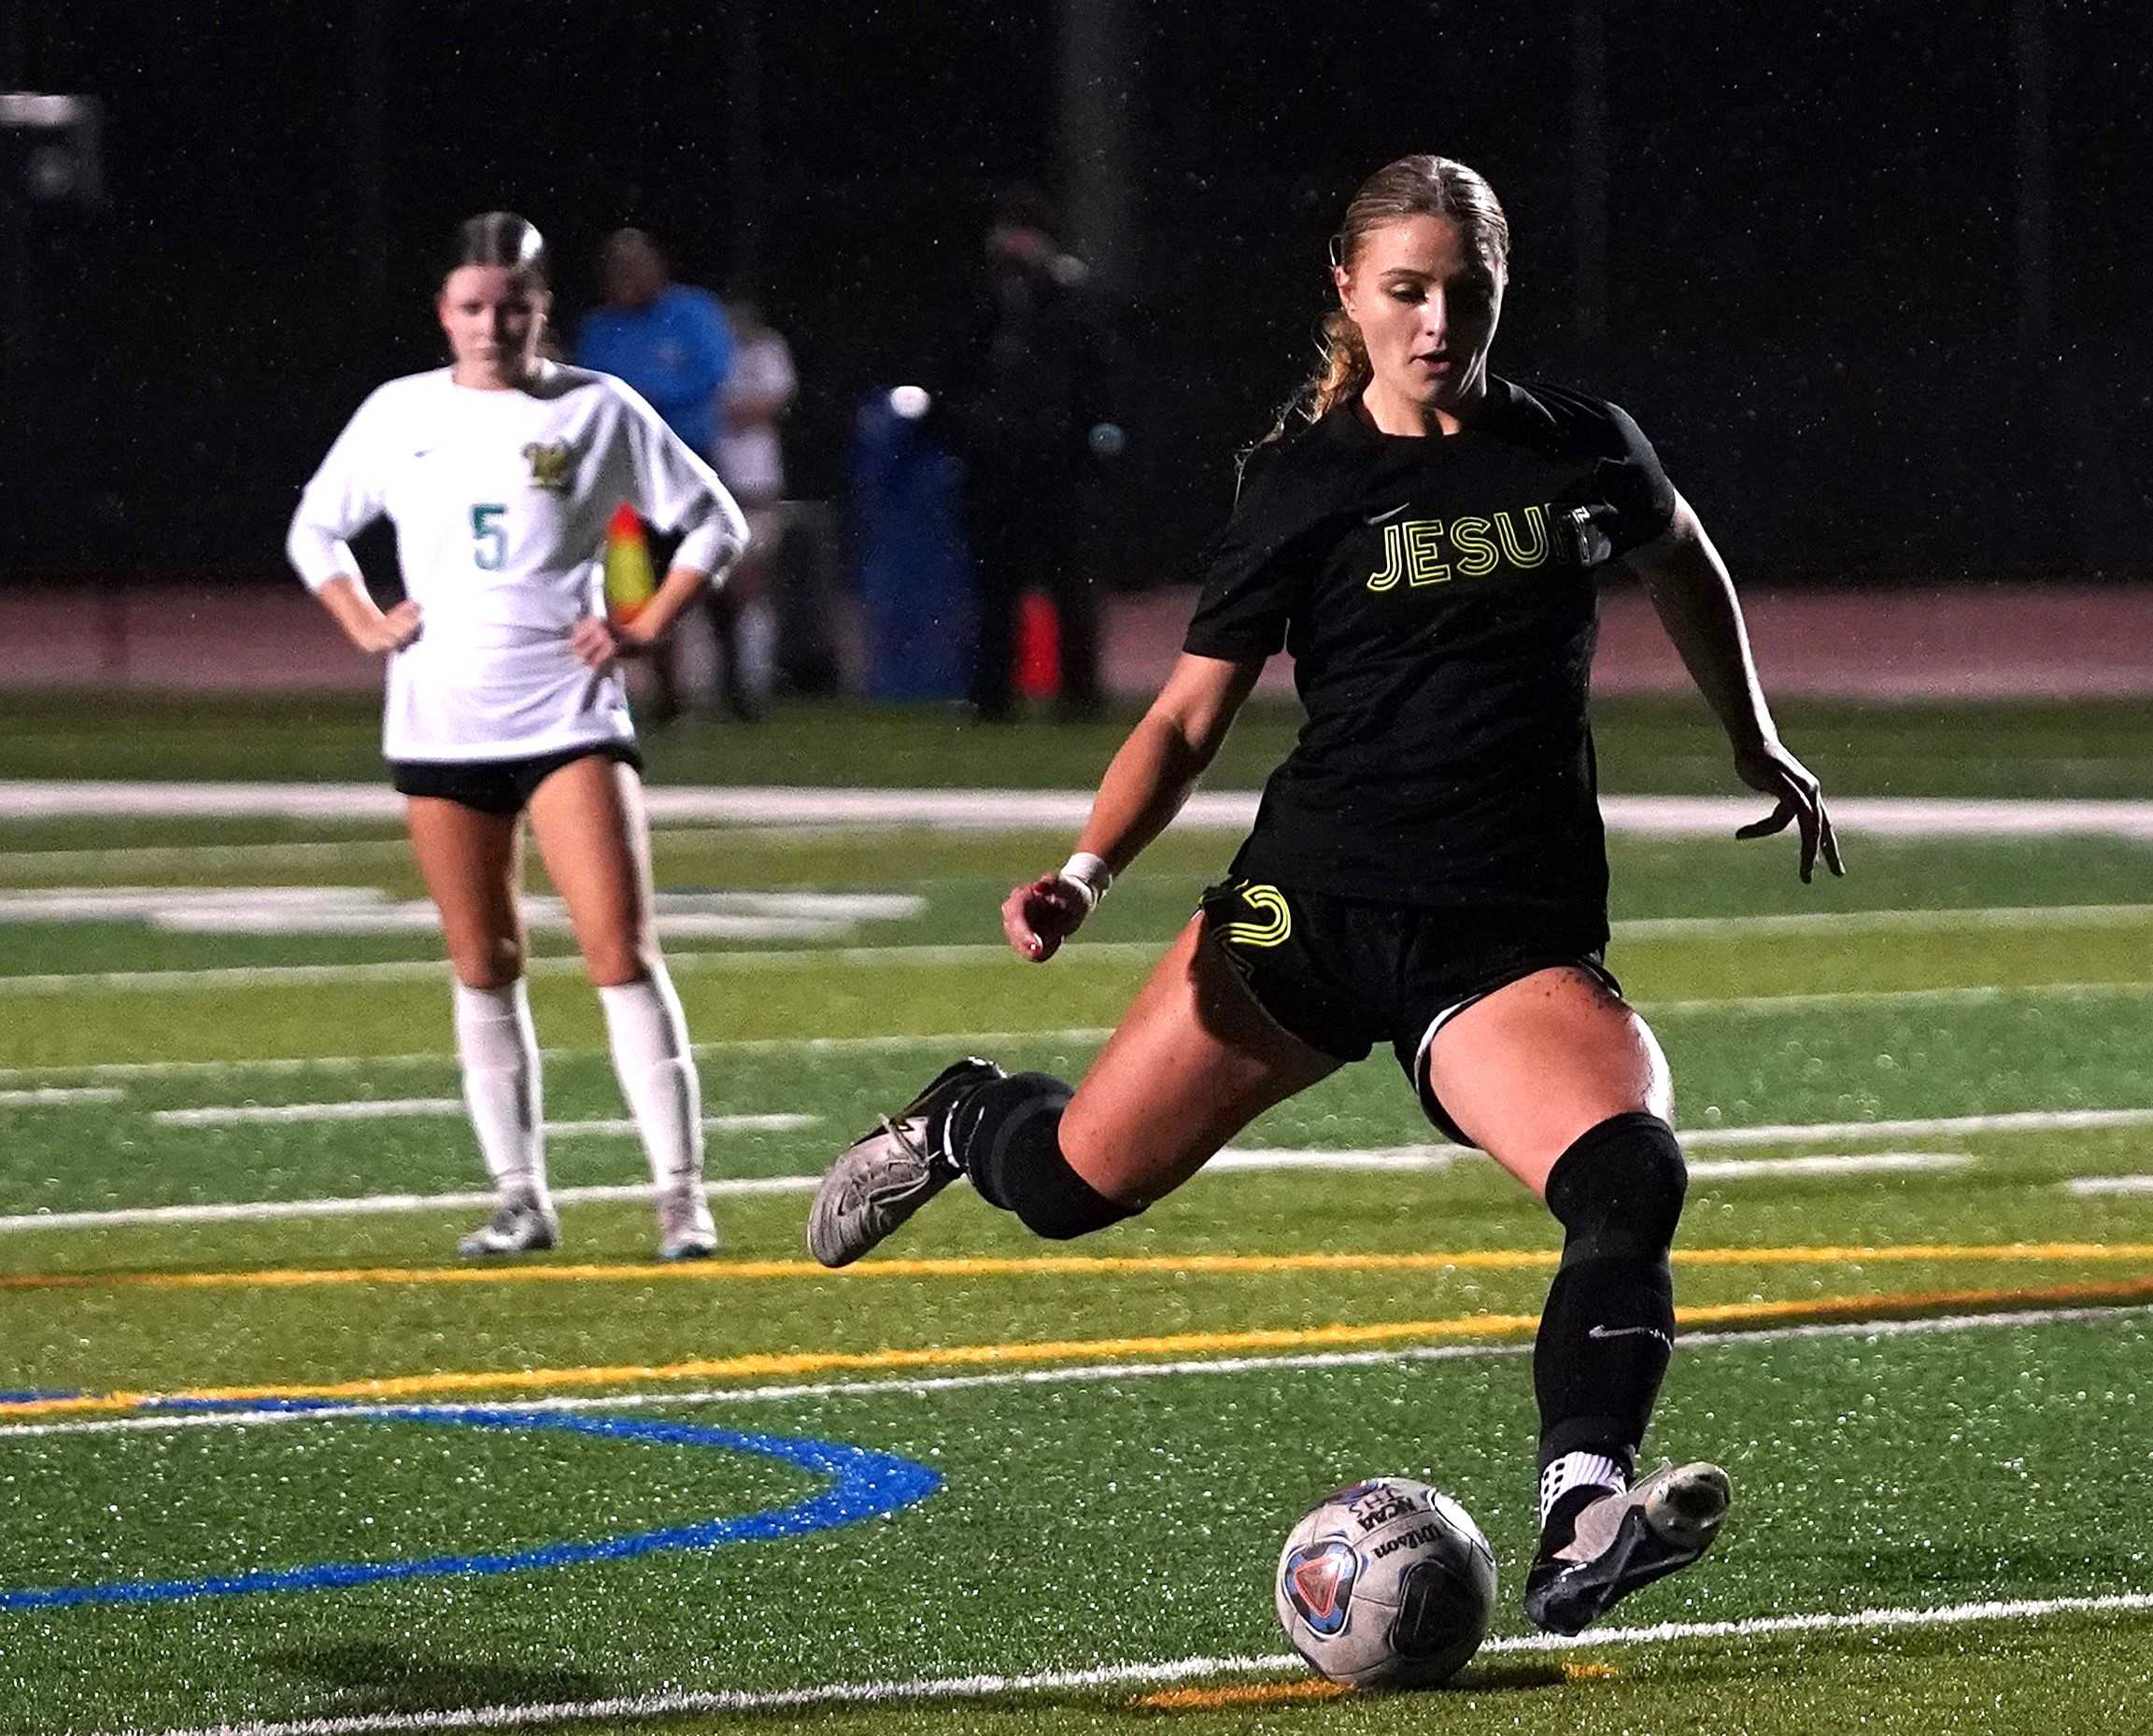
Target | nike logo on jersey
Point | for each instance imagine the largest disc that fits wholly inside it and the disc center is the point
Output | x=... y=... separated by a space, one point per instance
x=1631 y=1331
x=1384 y=518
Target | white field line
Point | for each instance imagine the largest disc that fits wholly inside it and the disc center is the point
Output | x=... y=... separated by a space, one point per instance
x=59 y=1096
x=896 y=1041
x=1400 y=1159
x=712 y=1124
x=393 y=1108
x=1835 y=1164
x=434 y=970
x=373 y=1204
x=2111 y=1184
x=1830 y=922
x=976 y=953
x=2024 y=1120
x=922 y=1386
x=1683 y=816
x=919 y=1689
x=1410 y=1159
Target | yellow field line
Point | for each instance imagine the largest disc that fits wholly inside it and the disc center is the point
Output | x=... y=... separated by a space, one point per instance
x=770 y=1363
x=1049 y=1266
x=1300 y=1691
x=1239 y=1694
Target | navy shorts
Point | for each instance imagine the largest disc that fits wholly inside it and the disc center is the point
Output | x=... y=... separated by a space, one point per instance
x=499 y=786
x=1343 y=974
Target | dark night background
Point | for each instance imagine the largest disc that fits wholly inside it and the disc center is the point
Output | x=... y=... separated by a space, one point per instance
x=1869 y=346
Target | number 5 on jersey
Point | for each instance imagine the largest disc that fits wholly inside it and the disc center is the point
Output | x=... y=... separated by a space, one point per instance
x=488 y=537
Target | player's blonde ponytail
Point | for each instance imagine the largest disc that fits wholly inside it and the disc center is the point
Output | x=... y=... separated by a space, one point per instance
x=1417 y=186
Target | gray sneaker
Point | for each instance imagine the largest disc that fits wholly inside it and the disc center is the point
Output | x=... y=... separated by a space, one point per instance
x=1622 y=1542
x=885 y=1176
x=685 y=1230
x=518 y=1226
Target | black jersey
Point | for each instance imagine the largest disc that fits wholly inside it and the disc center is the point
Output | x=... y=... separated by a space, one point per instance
x=1438 y=596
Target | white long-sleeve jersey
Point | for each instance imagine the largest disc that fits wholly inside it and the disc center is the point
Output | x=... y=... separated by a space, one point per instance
x=500 y=500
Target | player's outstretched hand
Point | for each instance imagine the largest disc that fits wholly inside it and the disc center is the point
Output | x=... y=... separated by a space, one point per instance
x=392 y=632
x=1038 y=917
x=1801 y=801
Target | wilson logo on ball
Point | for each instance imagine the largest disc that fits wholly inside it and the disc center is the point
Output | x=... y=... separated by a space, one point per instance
x=1318 y=1578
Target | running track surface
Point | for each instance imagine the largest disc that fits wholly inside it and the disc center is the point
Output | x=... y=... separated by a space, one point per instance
x=1967 y=641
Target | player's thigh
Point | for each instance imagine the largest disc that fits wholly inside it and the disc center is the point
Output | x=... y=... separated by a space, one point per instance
x=1192 y=1063
x=588 y=818
x=1527 y=1070
x=470 y=862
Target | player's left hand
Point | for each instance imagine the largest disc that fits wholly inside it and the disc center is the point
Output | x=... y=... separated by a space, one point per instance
x=1769 y=768
x=599 y=642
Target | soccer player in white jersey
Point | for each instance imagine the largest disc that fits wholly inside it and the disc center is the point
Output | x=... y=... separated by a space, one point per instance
x=500 y=473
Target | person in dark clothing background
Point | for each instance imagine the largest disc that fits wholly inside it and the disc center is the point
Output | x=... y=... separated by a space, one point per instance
x=1026 y=399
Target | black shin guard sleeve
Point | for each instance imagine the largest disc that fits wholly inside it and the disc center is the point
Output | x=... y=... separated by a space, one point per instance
x=1008 y=1138
x=1608 y=1328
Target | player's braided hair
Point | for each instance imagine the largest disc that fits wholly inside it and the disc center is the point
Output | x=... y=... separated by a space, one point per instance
x=1416 y=186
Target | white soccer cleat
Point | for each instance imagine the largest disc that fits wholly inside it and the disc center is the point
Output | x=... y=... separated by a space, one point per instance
x=885 y=1176
x=1621 y=1542
x=685 y=1228
x=519 y=1226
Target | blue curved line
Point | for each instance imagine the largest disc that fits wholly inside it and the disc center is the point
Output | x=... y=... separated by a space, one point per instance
x=866 y=1484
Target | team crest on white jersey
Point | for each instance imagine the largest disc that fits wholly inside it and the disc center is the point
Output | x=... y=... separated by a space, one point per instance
x=552 y=465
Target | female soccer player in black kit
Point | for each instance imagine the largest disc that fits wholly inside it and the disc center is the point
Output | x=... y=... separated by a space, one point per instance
x=1428 y=867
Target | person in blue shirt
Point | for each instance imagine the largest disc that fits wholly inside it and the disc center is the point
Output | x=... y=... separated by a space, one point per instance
x=669 y=341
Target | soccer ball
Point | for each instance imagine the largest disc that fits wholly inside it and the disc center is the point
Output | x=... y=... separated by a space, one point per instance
x=1387 y=1584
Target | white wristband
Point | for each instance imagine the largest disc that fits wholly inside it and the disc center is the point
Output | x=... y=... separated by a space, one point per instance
x=1090 y=873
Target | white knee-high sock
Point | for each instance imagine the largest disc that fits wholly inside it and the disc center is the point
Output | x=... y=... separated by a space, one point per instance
x=498 y=1049
x=650 y=1056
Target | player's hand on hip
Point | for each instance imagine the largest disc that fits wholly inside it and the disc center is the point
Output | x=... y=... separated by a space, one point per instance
x=1038 y=917
x=595 y=641
x=390 y=631
x=1769 y=768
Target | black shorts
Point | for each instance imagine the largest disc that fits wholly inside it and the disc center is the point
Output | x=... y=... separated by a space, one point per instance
x=501 y=786
x=1343 y=974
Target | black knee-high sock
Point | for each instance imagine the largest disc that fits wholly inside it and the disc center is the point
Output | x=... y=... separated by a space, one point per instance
x=1609 y=1327
x=1007 y=1136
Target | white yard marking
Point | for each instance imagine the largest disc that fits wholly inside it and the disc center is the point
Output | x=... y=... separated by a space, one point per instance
x=396 y=1109
x=1117 y=953
x=1403 y=1157
x=1831 y=923
x=369 y=910
x=238 y=1115
x=2025 y=1120
x=370 y=1206
x=1848 y=1163
x=432 y=969
x=712 y=1124
x=911 y=1386
x=917 y=1689
x=2111 y=1184
x=1662 y=816
x=59 y=1096
x=1394 y=1160
x=723 y=1046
